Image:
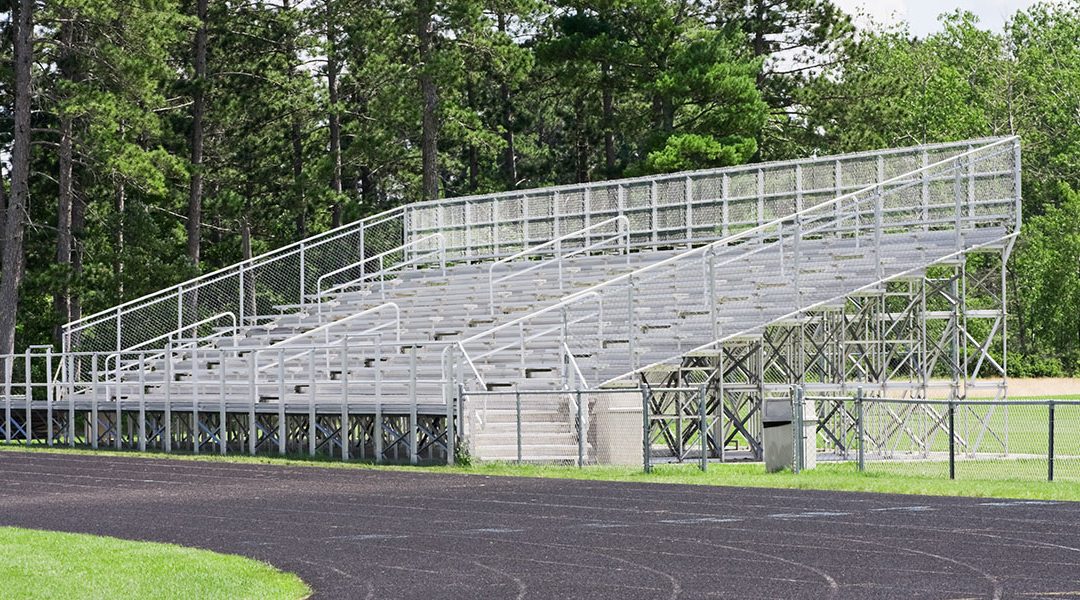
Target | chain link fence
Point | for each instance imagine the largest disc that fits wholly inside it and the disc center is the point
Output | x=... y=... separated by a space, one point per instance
x=996 y=440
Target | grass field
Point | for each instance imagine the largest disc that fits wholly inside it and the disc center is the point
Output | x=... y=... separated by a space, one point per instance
x=920 y=477
x=46 y=564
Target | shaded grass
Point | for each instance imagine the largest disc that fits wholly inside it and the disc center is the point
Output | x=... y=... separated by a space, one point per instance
x=48 y=564
x=915 y=477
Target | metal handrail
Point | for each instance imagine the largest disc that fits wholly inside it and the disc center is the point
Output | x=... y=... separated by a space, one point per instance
x=320 y=293
x=169 y=337
x=559 y=256
x=796 y=217
x=191 y=284
x=325 y=328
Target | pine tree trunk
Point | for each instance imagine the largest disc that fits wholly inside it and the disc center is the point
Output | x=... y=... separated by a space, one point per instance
x=510 y=155
x=198 y=114
x=62 y=299
x=608 y=110
x=78 y=224
x=429 y=143
x=118 y=237
x=11 y=272
x=333 y=67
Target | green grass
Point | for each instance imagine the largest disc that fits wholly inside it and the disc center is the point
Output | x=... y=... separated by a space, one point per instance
x=48 y=564
x=989 y=479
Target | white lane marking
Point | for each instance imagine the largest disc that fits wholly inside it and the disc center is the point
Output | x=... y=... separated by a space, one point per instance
x=492 y=530
x=808 y=515
x=904 y=509
x=699 y=520
x=1019 y=503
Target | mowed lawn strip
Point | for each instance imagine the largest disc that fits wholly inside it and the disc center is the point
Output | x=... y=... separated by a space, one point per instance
x=914 y=477
x=50 y=564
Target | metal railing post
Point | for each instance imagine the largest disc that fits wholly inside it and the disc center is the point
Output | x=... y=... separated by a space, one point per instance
x=49 y=398
x=196 y=435
x=952 y=439
x=253 y=393
x=345 y=434
x=1050 y=444
x=797 y=408
x=168 y=397
x=223 y=417
x=703 y=429
x=28 y=397
x=580 y=432
x=142 y=402
x=859 y=428
x=9 y=366
x=281 y=402
x=413 y=425
x=517 y=420
x=645 y=430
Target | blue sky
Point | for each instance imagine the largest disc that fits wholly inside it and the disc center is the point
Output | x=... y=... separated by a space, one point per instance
x=922 y=14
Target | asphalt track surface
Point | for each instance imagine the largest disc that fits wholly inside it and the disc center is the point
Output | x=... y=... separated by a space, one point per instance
x=378 y=534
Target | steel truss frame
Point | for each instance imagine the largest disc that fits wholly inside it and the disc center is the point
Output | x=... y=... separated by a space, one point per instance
x=386 y=437
x=940 y=335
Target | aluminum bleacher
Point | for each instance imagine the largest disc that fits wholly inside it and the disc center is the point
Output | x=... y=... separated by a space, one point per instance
x=415 y=334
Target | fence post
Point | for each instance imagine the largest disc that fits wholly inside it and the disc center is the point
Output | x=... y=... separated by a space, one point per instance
x=517 y=420
x=580 y=432
x=797 y=408
x=1050 y=446
x=703 y=429
x=645 y=429
x=859 y=427
x=952 y=439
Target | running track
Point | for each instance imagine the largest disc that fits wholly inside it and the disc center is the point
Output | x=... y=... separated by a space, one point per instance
x=377 y=534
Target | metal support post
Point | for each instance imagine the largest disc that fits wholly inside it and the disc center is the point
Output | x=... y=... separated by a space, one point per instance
x=797 y=409
x=1050 y=444
x=703 y=429
x=9 y=365
x=168 y=398
x=952 y=439
x=646 y=454
x=281 y=402
x=49 y=397
x=253 y=393
x=142 y=402
x=860 y=429
x=195 y=434
x=517 y=420
x=28 y=397
x=312 y=416
x=414 y=426
x=223 y=430
x=580 y=432
x=345 y=429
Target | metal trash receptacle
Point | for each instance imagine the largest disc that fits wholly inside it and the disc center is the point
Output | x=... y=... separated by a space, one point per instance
x=776 y=435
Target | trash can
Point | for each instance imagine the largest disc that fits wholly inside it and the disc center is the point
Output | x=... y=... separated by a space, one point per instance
x=776 y=434
x=778 y=422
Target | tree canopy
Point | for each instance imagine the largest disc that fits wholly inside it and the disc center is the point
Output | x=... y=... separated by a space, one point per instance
x=146 y=141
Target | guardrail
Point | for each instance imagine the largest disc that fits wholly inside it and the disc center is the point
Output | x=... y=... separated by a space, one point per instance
x=382 y=272
x=686 y=208
x=945 y=198
x=622 y=233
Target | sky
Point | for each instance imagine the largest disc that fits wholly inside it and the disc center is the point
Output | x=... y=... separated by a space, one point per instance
x=922 y=14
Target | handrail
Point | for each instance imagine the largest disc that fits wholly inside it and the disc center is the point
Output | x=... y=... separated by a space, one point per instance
x=169 y=336
x=380 y=256
x=594 y=290
x=327 y=326
x=190 y=284
x=320 y=293
x=814 y=305
x=557 y=243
